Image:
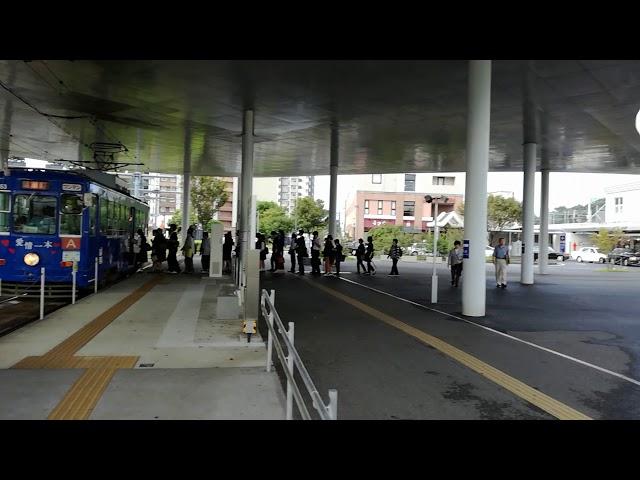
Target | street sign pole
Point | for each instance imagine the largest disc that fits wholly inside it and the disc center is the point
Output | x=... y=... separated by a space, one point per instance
x=434 y=276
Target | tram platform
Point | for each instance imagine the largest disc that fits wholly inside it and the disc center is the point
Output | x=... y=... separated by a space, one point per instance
x=154 y=346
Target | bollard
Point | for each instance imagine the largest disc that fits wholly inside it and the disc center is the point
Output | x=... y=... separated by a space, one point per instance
x=41 y=293
x=290 y=334
x=333 y=404
x=272 y=297
x=95 y=278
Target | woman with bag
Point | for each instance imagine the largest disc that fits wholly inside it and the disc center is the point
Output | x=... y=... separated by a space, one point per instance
x=188 y=250
x=261 y=245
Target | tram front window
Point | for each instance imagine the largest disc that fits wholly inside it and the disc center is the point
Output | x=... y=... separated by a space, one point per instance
x=34 y=214
x=70 y=214
x=4 y=212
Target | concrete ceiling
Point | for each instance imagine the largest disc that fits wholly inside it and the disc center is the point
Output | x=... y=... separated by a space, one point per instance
x=393 y=116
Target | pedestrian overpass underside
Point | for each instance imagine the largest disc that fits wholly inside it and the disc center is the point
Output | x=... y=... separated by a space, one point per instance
x=391 y=116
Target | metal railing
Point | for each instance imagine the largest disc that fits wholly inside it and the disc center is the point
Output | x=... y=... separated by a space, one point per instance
x=292 y=361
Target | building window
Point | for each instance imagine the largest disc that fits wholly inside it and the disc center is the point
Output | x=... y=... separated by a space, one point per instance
x=376 y=178
x=618 y=202
x=410 y=182
x=366 y=207
x=444 y=180
x=379 y=207
x=393 y=208
x=409 y=209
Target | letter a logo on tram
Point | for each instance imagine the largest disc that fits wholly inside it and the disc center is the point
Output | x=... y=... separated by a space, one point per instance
x=70 y=243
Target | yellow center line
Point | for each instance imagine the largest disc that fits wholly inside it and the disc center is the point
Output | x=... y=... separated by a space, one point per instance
x=521 y=389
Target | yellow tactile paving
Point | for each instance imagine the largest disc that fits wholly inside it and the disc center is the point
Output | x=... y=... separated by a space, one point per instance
x=524 y=391
x=83 y=396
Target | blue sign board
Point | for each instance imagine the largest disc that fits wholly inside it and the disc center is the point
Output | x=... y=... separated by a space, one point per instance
x=465 y=249
x=562 y=243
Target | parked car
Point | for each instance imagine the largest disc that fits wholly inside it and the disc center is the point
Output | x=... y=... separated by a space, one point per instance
x=624 y=256
x=418 y=249
x=488 y=251
x=588 y=254
x=553 y=255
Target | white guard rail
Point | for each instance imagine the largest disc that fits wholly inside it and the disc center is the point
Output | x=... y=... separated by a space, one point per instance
x=292 y=361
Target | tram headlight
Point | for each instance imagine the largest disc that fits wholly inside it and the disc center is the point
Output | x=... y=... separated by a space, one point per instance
x=31 y=259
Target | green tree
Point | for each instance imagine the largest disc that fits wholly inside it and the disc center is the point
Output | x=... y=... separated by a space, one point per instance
x=207 y=196
x=272 y=216
x=177 y=218
x=309 y=214
x=501 y=212
x=606 y=240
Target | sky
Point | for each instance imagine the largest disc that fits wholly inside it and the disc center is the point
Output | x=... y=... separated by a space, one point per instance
x=565 y=189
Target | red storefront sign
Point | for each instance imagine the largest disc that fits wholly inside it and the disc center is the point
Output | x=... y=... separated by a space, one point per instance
x=376 y=222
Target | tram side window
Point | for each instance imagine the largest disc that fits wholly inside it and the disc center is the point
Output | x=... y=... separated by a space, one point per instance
x=114 y=218
x=92 y=215
x=34 y=214
x=104 y=216
x=4 y=211
x=70 y=214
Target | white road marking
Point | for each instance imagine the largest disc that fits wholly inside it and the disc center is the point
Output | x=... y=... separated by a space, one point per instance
x=568 y=357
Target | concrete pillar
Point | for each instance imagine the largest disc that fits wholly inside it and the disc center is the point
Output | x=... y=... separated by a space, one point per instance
x=333 y=181
x=186 y=187
x=528 y=192
x=246 y=187
x=543 y=259
x=475 y=219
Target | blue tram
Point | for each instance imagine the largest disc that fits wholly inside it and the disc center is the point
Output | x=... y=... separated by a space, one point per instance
x=53 y=219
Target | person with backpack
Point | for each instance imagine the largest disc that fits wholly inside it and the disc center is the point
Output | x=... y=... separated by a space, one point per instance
x=159 y=250
x=339 y=257
x=360 y=253
x=455 y=262
x=395 y=252
x=368 y=256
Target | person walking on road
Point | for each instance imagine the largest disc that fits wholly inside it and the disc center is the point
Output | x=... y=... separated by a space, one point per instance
x=501 y=260
x=292 y=253
x=329 y=255
x=455 y=262
x=360 y=252
x=395 y=252
x=339 y=257
x=368 y=256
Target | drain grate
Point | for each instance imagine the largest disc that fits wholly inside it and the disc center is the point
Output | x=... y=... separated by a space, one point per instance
x=146 y=365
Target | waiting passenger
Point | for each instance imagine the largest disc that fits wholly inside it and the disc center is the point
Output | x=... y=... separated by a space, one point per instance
x=328 y=254
x=501 y=261
x=205 y=252
x=227 y=246
x=173 y=243
x=188 y=250
x=301 y=251
x=159 y=250
x=261 y=245
x=339 y=256
x=455 y=262
x=292 y=252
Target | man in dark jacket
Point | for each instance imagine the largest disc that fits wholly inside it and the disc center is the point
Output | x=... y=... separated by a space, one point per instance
x=301 y=250
x=360 y=255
